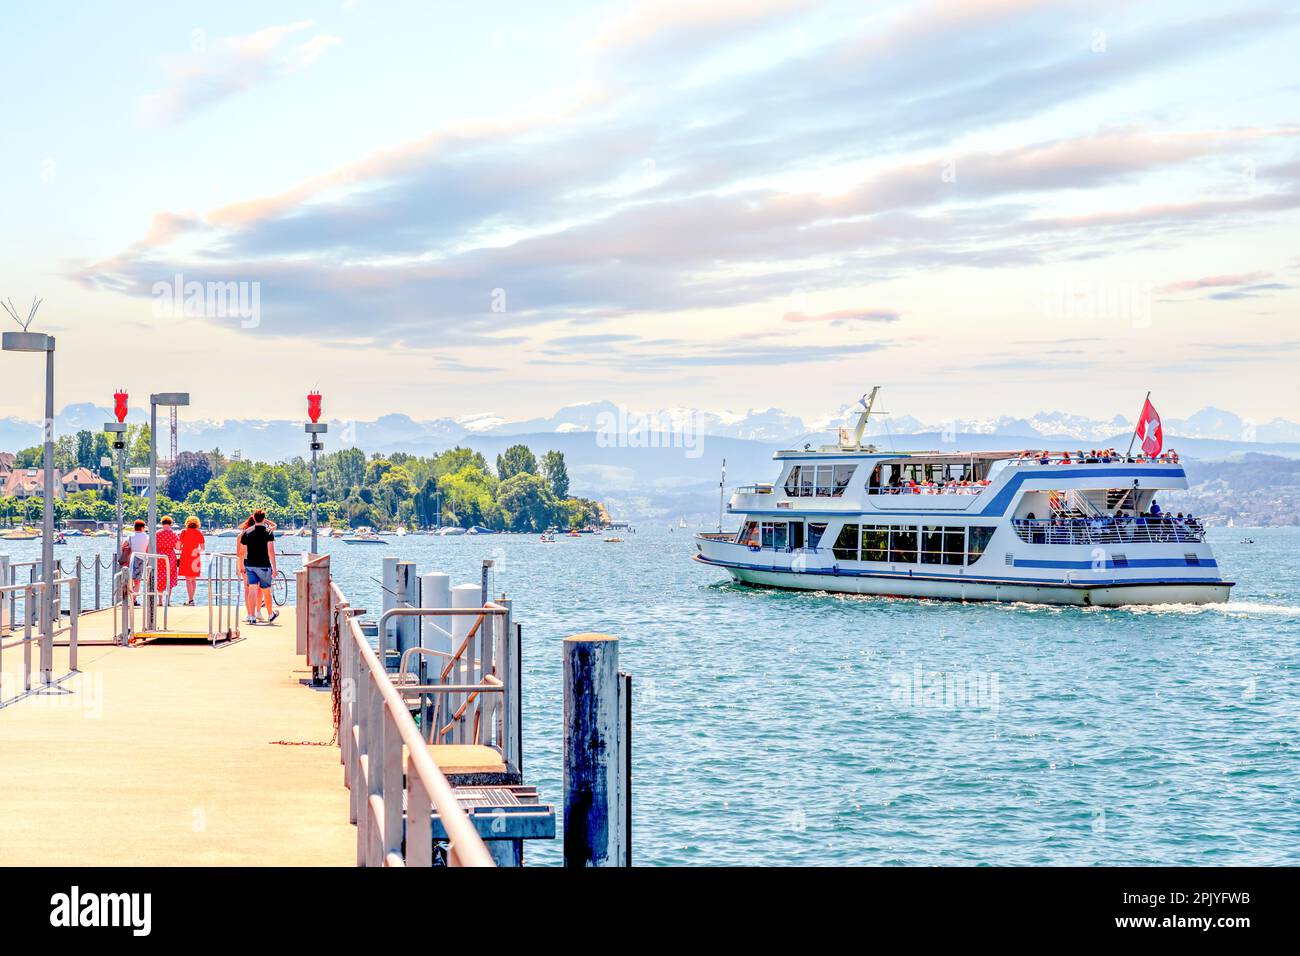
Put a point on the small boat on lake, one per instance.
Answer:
(363, 536)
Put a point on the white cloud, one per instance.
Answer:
(216, 72)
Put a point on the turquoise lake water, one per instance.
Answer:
(778, 728)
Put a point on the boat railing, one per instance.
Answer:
(927, 489)
(1116, 459)
(758, 489)
(378, 737)
(1083, 531)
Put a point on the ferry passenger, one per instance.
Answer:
(191, 557)
(258, 545)
(167, 542)
(135, 548)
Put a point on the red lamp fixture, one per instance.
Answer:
(119, 405)
(313, 406)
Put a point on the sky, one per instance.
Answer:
(990, 207)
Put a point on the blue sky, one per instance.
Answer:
(988, 207)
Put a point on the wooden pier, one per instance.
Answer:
(174, 754)
(206, 741)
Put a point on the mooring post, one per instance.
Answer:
(594, 751)
(406, 629)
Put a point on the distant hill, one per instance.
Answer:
(668, 462)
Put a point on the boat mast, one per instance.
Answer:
(867, 401)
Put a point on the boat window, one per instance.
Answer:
(806, 481)
(954, 545)
(748, 535)
(815, 531)
(843, 475)
(902, 545)
(792, 483)
(875, 542)
(780, 536)
(931, 545)
(825, 478)
(846, 545)
(977, 539)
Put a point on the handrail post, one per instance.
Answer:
(28, 595)
(74, 612)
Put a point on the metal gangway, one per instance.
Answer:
(145, 610)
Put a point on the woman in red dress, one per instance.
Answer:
(191, 560)
(168, 541)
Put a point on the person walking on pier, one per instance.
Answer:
(258, 542)
(191, 559)
(168, 541)
(136, 547)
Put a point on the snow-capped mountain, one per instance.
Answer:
(273, 439)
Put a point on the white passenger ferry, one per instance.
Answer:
(989, 526)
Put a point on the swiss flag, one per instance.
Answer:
(1148, 430)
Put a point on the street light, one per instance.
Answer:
(118, 429)
(314, 428)
(39, 342)
(167, 400)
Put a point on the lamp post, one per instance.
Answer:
(167, 400)
(39, 342)
(118, 430)
(314, 428)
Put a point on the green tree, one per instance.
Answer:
(273, 483)
(33, 457)
(555, 473)
(191, 472)
(86, 457)
(516, 460)
(527, 502)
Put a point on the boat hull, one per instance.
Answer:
(1099, 595)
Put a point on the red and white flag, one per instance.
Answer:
(1149, 431)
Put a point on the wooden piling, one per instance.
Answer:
(594, 821)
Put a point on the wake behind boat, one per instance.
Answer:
(995, 526)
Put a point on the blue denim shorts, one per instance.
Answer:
(261, 577)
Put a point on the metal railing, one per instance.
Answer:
(1093, 531)
(393, 810)
(33, 593)
(481, 671)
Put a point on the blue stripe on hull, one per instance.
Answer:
(1111, 565)
(973, 579)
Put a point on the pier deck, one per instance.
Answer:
(174, 754)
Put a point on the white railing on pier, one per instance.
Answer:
(393, 810)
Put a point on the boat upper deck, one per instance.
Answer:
(173, 753)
